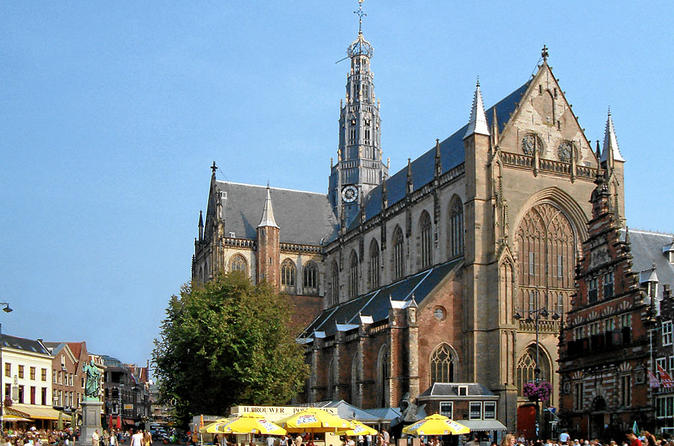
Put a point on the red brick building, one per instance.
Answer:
(604, 350)
(68, 375)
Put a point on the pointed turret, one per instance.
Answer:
(268, 245)
(478, 119)
(494, 127)
(268, 213)
(201, 226)
(610, 152)
(438, 159)
(410, 181)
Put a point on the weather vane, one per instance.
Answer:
(360, 13)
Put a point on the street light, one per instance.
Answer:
(6, 309)
(537, 313)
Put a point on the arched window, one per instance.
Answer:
(238, 263)
(331, 379)
(288, 272)
(442, 365)
(353, 275)
(354, 381)
(526, 367)
(334, 285)
(426, 240)
(398, 258)
(455, 228)
(383, 374)
(373, 266)
(310, 276)
(546, 251)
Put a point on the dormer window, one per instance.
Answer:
(463, 390)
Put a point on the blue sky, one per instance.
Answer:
(111, 113)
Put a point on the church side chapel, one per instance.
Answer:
(437, 273)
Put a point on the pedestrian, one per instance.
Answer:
(508, 440)
(95, 438)
(137, 438)
(632, 438)
(113, 438)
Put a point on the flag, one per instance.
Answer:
(653, 381)
(635, 428)
(665, 379)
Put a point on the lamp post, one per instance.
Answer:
(534, 315)
(6, 309)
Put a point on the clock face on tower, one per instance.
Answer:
(349, 194)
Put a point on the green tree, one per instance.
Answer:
(224, 343)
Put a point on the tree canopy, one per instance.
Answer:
(224, 343)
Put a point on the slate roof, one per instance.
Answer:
(647, 250)
(452, 389)
(24, 344)
(378, 302)
(346, 410)
(303, 217)
(54, 347)
(451, 155)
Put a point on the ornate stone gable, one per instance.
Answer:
(544, 127)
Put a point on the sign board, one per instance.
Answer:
(128, 407)
(274, 413)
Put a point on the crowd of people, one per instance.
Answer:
(644, 438)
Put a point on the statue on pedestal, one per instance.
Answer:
(92, 383)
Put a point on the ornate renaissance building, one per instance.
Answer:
(441, 272)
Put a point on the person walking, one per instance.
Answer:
(95, 438)
(136, 438)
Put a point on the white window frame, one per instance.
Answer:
(667, 333)
(470, 410)
(662, 362)
(484, 411)
(463, 391)
(443, 409)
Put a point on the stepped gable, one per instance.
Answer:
(647, 249)
(452, 154)
(376, 303)
(303, 217)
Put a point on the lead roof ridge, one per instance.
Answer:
(272, 187)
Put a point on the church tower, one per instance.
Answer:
(268, 245)
(359, 167)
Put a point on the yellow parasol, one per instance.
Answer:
(211, 424)
(248, 423)
(358, 428)
(314, 420)
(436, 425)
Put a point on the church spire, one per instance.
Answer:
(478, 119)
(359, 168)
(267, 212)
(201, 226)
(610, 151)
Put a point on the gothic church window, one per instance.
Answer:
(526, 367)
(373, 266)
(546, 248)
(288, 272)
(353, 275)
(455, 228)
(310, 278)
(398, 258)
(334, 285)
(238, 263)
(442, 365)
(426, 240)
